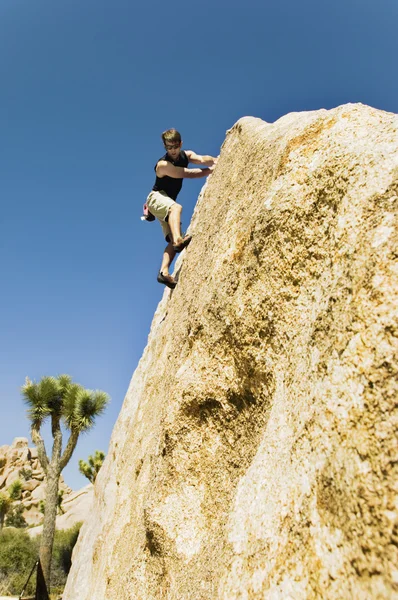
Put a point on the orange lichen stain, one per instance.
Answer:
(238, 251)
(307, 139)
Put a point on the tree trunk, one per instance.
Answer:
(50, 514)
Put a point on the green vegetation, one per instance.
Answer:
(90, 469)
(59, 400)
(26, 474)
(19, 552)
(64, 542)
(10, 512)
(15, 517)
(59, 503)
(5, 506)
(15, 490)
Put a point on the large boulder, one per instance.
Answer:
(30, 485)
(12, 475)
(39, 493)
(255, 456)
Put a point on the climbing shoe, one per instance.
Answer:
(179, 247)
(167, 280)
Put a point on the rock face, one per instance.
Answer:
(18, 461)
(255, 456)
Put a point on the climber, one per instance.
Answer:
(170, 171)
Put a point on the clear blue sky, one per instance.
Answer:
(87, 86)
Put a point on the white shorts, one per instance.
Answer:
(159, 205)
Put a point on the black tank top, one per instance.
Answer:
(167, 184)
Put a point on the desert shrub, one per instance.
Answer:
(5, 507)
(15, 517)
(18, 554)
(15, 490)
(64, 542)
(26, 474)
(60, 510)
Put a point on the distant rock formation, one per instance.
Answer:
(255, 455)
(76, 507)
(18, 461)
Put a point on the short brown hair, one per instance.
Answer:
(171, 135)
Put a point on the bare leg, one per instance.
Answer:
(168, 256)
(175, 223)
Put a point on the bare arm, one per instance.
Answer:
(197, 159)
(165, 168)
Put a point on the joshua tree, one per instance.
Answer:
(61, 401)
(90, 469)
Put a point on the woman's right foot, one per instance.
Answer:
(167, 280)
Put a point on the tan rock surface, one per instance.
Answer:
(255, 456)
(30, 485)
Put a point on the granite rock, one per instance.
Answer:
(255, 456)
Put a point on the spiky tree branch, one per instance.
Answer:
(91, 469)
(70, 447)
(41, 449)
(57, 436)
